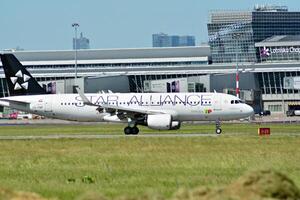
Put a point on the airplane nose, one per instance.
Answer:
(249, 110)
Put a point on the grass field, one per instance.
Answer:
(104, 128)
(67, 168)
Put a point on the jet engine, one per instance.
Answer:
(162, 122)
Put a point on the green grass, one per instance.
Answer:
(104, 128)
(134, 166)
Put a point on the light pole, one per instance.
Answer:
(75, 25)
(236, 36)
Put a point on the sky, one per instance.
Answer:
(47, 24)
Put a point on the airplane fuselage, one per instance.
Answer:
(181, 106)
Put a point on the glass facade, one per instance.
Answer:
(267, 24)
(81, 42)
(272, 82)
(161, 40)
(164, 40)
(232, 35)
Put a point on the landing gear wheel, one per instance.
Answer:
(218, 131)
(218, 127)
(135, 130)
(131, 130)
(127, 130)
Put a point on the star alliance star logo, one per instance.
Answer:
(23, 80)
(265, 52)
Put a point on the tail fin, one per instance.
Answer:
(19, 80)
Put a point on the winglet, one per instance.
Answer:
(85, 100)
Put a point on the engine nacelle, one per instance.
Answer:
(162, 122)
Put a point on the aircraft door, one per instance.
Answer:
(48, 104)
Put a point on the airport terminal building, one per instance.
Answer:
(267, 60)
(130, 66)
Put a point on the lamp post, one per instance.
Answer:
(236, 36)
(75, 25)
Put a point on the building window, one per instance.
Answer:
(191, 87)
(275, 108)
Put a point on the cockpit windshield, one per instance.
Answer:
(236, 101)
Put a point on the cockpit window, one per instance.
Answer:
(236, 101)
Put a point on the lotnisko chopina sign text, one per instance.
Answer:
(283, 50)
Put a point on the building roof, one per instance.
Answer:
(110, 54)
(280, 40)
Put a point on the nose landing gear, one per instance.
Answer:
(218, 127)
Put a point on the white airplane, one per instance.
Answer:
(160, 111)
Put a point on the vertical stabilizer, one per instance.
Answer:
(19, 80)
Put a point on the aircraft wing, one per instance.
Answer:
(132, 110)
(122, 112)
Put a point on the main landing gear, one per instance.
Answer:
(218, 127)
(131, 130)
